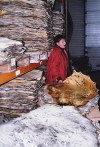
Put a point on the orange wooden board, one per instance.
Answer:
(5, 77)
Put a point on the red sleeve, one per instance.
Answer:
(53, 64)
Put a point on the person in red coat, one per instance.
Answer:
(58, 62)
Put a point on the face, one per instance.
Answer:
(62, 43)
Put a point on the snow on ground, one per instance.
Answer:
(49, 126)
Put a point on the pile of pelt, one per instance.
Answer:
(76, 90)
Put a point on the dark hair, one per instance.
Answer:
(58, 38)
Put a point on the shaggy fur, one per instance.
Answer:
(76, 90)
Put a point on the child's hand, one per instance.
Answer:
(60, 81)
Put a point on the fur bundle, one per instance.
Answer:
(76, 90)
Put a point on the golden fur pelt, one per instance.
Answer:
(76, 90)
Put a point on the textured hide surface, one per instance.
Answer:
(76, 90)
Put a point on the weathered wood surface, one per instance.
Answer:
(21, 94)
(28, 21)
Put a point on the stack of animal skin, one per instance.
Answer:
(76, 90)
(21, 94)
(27, 22)
(11, 51)
(58, 23)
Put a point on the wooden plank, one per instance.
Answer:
(5, 77)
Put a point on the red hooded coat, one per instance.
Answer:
(57, 66)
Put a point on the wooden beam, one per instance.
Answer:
(5, 77)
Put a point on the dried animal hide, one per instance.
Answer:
(21, 94)
(58, 23)
(76, 90)
(27, 20)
